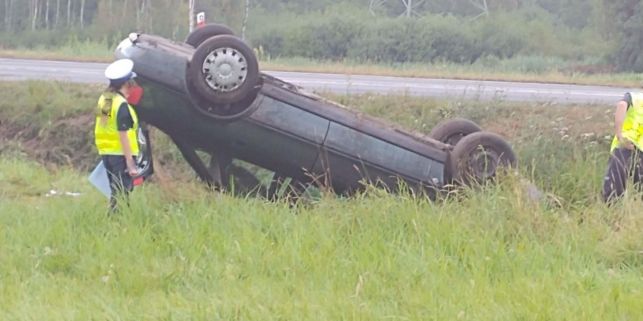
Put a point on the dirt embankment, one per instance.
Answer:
(50, 122)
(67, 142)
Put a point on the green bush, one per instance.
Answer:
(495, 39)
(345, 32)
(32, 39)
(310, 36)
(434, 38)
(445, 39)
(44, 39)
(349, 33)
(334, 38)
(387, 40)
(410, 40)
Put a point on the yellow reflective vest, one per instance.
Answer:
(106, 129)
(633, 123)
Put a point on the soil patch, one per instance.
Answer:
(63, 142)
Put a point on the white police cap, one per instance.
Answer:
(120, 70)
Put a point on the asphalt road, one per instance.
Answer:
(20, 69)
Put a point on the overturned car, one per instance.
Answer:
(208, 95)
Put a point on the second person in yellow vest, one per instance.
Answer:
(626, 160)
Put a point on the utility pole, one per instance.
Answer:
(34, 19)
(68, 13)
(191, 13)
(482, 5)
(375, 6)
(8, 14)
(410, 7)
(82, 14)
(57, 13)
(140, 13)
(245, 20)
(47, 15)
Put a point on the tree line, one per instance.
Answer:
(461, 31)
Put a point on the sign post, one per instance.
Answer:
(191, 14)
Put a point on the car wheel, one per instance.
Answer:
(144, 162)
(223, 70)
(451, 131)
(478, 157)
(200, 35)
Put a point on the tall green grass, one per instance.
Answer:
(182, 252)
(190, 254)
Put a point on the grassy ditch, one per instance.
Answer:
(52, 123)
(181, 252)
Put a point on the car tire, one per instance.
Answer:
(451, 131)
(478, 157)
(144, 162)
(223, 70)
(226, 112)
(200, 35)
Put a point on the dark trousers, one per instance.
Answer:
(623, 164)
(120, 182)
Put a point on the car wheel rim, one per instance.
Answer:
(484, 163)
(225, 69)
(143, 161)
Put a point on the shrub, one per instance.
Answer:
(407, 40)
(434, 38)
(495, 39)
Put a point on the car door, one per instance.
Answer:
(280, 137)
(350, 156)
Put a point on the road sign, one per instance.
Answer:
(200, 19)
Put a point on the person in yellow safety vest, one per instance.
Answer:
(116, 129)
(626, 159)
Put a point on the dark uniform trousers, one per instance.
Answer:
(120, 182)
(623, 165)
